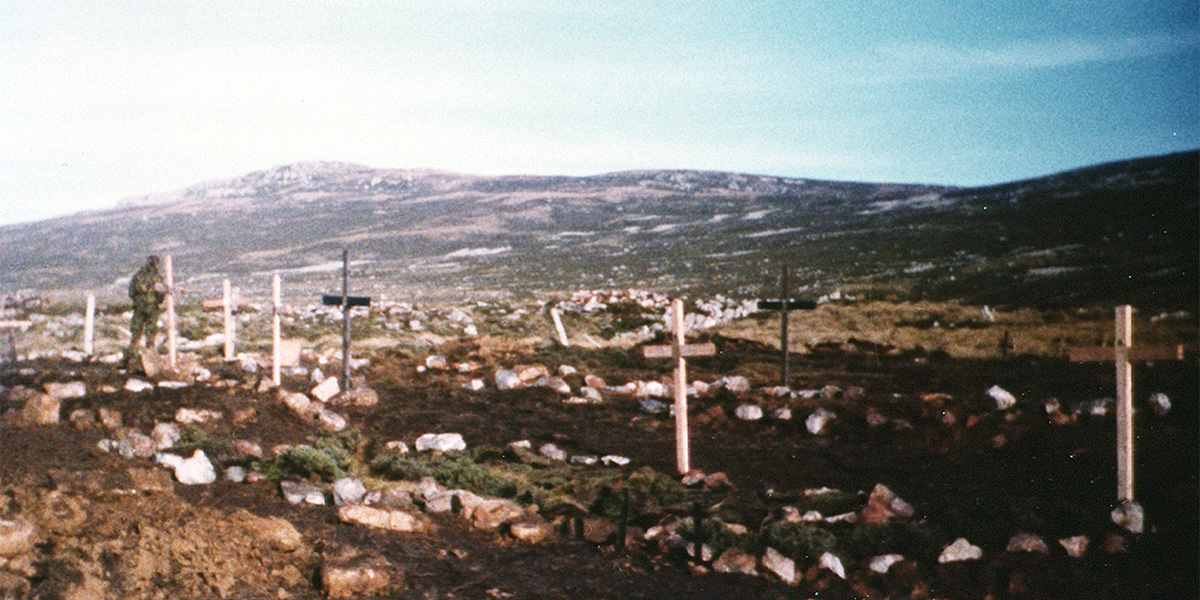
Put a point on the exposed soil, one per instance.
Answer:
(986, 477)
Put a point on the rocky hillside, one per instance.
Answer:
(1122, 231)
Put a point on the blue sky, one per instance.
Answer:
(108, 100)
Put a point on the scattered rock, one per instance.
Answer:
(781, 566)
(16, 538)
(1075, 546)
(82, 418)
(131, 443)
(235, 474)
(584, 459)
(565, 370)
(165, 435)
(594, 381)
(437, 362)
(110, 418)
(555, 383)
(830, 561)
(64, 391)
(552, 452)
(354, 577)
(247, 449)
(476, 385)
(42, 409)
(736, 384)
(1027, 542)
(1130, 516)
(613, 460)
(489, 515)
(874, 419)
(1003, 398)
(782, 414)
(530, 528)
(831, 392)
(883, 563)
(960, 550)
(327, 389)
(883, 505)
(348, 490)
(391, 519)
(815, 423)
(507, 380)
(652, 406)
(274, 532)
(330, 420)
(396, 446)
(1159, 403)
(296, 492)
(137, 386)
(748, 412)
(440, 442)
(736, 560)
(531, 373)
(597, 530)
(191, 416)
(196, 470)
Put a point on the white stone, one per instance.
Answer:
(348, 490)
(748, 412)
(137, 386)
(1004, 400)
(165, 435)
(555, 383)
(960, 550)
(173, 385)
(476, 385)
(441, 442)
(1075, 546)
(327, 389)
(833, 563)
(16, 538)
(613, 460)
(591, 395)
(815, 423)
(1027, 542)
(192, 416)
(196, 470)
(652, 406)
(552, 452)
(396, 446)
(330, 420)
(782, 414)
(235, 474)
(296, 492)
(882, 563)
(507, 380)
(584, 459)
(74, 389)
(564, 370)
(812, 516)
(1159, 403)
(653, 389)
(470, 330)
(783, 567)
(736, 384)
(520, 445)
(1130, 516)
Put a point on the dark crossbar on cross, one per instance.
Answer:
(1124, 354)
(785, 304)
(679, 350)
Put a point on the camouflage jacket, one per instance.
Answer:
(145, 288)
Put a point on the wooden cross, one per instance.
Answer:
(1124, 354)
(783, 305)
(345, 301)
(172, 332)
(678, 351)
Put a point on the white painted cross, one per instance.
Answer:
(275, 309)
(169, 280)
(89, 325)
(678, 351)
(1124, 353)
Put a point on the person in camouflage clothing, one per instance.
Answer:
(147, 291)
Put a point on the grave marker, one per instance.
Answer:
(679, 350)
(169, 279)
(227, 313)
(558, 327)
(784, 305)
(275, 333)
(89, 325)
(1124, 354)
(345, 301)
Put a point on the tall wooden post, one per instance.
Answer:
(276, 376)
(682, 452)
(345, 319)
(1123, 342)
(169, 279)
(227, 309)
(89, 325)
(783, 325)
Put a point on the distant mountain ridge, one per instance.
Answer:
(1123, 231)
